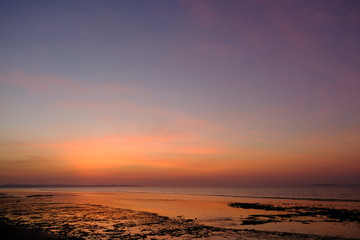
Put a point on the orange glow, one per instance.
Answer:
(201, 92)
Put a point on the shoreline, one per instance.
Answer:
(14, 231)
(135, 224)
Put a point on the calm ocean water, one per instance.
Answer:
(335, 193)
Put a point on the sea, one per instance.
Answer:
(320, 193)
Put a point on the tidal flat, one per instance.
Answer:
(41, 215)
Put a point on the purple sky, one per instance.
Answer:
(180, 92)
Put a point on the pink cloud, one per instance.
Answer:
(33, 84)
(161, 119)
(202, 11)
(301, 33)
(198, 123)
(48, 83)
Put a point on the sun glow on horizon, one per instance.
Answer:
(180, 93)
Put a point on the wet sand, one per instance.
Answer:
(157, 216)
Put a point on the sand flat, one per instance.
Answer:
(214, 211)
(154, 216)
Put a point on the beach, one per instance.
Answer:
(180, 119)
(131, 215)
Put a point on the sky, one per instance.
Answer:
(180, 92)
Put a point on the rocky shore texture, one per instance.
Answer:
(297, 214)
(38, 217)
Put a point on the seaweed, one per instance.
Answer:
(266, 207)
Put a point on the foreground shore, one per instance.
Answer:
(41, 217)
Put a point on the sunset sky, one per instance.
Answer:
(180, 93)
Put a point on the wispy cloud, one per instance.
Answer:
(202, 11)
(43, 83)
